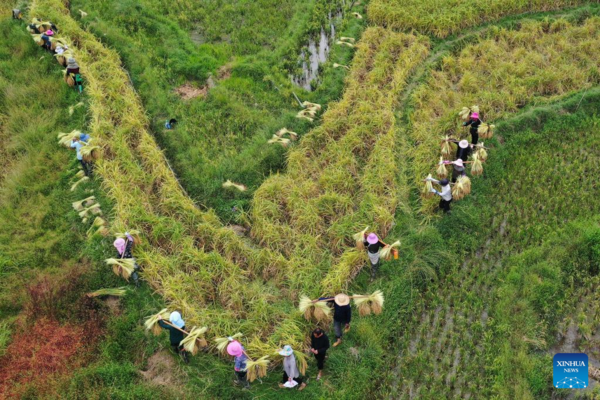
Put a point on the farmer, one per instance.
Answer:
(474, 122)
(72, 67)
(77, 144)
(342, 314)
(124, 251)
(458, 170)
(290, 369)
(445, 194)
(319, 343)
(175, 333)
(46, 38)
(170, 124)
(464, 150)
(373, 245)
(235, 349)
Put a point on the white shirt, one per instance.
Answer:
(446, 193)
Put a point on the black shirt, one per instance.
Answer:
(474, 124)
(342, 314)
(175, 335)
(374, 248)
(463, 154)
(127, 252)
(321, 344)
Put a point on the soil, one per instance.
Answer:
(188, 92)
(162, 369)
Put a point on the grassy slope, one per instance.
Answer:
(223, 136)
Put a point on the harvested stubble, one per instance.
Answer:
(341, 176)
(502, 72)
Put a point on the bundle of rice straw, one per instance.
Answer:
(69, 79)
(336, 65)
(482, 152)
(357, 15)
(79, 182)
(91, 153)
(66, 138)
(238, 186)
(476, 166)
(194, 339)
(369, 303)
(122, 266)
(360, 238)
(441, 171)
(257, 368)
(88, 201)
(99, 225)
(94, 209)
(486, 131)
(83, 13)
(348, 39)
(221, 343)
(317, 309)
(465, 113)
(344, 43)
(310, 105)
(461, 188)
(386, 252)
(151, 322)
(117, 292)
(446, 147)
(285, 142)
(135, 234)
(427, 187)
(284, 131)
(72, 108)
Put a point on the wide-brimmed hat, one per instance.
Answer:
(372, 238)
(84, 137)
(49, 32)
(444, 182)
(458, 162)
(341, 299)
(120, 245)
(176, 320)
(235, 349)
(463, 144)
(475, 115)
(72, 63)
(286, 351)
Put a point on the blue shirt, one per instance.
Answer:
(77, 145)
(240, 362)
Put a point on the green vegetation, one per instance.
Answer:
(241, 70)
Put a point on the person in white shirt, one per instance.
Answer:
(445, 193)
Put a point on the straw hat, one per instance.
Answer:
(372, 238)
(458, 162)
(286, 351)
(235, 349)
(176, 319)
(342, 299)
(463, 144)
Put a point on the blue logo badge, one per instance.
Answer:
(570, 370)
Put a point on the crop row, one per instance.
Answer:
(445, 17)
(502, 73)
(341, 177)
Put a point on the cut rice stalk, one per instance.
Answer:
(369, 303)
(66, 138)
(386, 252)
(238, 186)
(308, 104)
(301, 363)
(122, 266)
(194, 339)
(221, 343)
(359, 238)
(257, 368)
(133, 233)
(446, 147)
(482, 152)
(357, 15)
(317, 309)
(476, 166)
(344, 43)
(441, 171)
(336, 65)
(79, 205)
(427, 188)
(151, 322)
(91, 153)
(79, 182)
(117, 292)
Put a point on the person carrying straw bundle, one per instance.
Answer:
(175, 329)
(72, 67)
(124, 247)
(458, 170)
(464, 150)
(46, 39)
(235, 349)
(474, 122)
(291, 375)
(342, 315)
(77, 143)
(319, 344)
(373, 245)
(445, 193)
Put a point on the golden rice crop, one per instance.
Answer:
(194, 339)
(151, 322)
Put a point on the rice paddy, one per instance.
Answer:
(475, 303)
